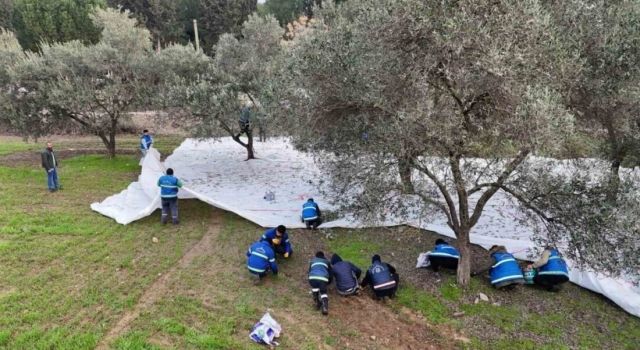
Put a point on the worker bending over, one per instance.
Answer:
(279, 240)
(551, 268)
(505, 270)
(319, 278)
(260, 259)
(443, 255)
(382, 277)
(346, 275)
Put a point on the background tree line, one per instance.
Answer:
(169, 21)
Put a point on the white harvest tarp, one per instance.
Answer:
(215, 172)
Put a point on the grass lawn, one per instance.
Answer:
(125, 142)
(68, 275)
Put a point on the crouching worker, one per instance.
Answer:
(311, 214)
(552, 270)
(443, 255)
(505, 271)
(346, 275)
(260, 259)
(279, 240)
(382, 277)
(319, 278)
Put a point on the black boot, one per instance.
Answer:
(316, 299)
(325, 306)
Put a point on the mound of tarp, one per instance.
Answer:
(270, 191)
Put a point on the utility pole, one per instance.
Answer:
(195, 32)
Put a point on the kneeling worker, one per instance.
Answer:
(552, 269)
(279, 240)
(382, 277)
(319, 278)
(260, 259)
(311, 214)
(443, 255)
(346, 275)
(506, 271)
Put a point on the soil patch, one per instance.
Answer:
(161, 286)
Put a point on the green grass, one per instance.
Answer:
(425, 303)
(68, 274)
(355, 248)
(164, 143)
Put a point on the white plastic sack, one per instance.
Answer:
(423, 260)
(266, 330)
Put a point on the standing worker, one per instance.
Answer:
(260, 259)
(443, 255)
(311, 214)
(552, 270)
(319, 278)
(505, 272)
(279, 240)
(346, 275)
(169, 186)
(146, 141)
(50, 165)
(382, 277)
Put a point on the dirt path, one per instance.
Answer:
(160, 287)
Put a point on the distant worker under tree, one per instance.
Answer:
(244, 122)
(146, 141)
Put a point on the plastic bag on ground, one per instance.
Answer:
(423, 260)
(266, 330)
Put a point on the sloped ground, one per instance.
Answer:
(70, 277)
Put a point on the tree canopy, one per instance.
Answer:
(410, 90)
(91, 86)
(49, 21)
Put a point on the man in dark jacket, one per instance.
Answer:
(50, 165)
(382, 277)
(319, 278)
(346, 275)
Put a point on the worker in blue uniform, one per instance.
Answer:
(279, 240)
(311, 215)
(319, 277)
(260, 259)
(505, 272)
(551, 268)
(443, 255)
(169, 186)
(382, 277)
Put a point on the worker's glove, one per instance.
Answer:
(275, 241)
(286, 255)
(50, 170)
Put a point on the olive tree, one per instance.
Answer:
(443, 82)
(239, 74)
(603, 39)
(91, 86)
